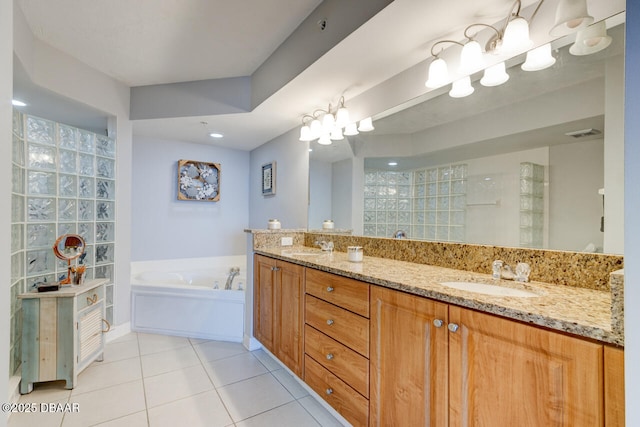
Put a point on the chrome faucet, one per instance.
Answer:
(233, 272)
(501, 270)
(400, 234)
(325, 246)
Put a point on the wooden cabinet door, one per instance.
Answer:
(263, 301)
(409, 356)
(289, 298)
(504, 373)
(613, 386)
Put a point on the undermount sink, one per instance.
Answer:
(303, 253)
(484, 288)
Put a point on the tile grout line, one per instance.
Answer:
(215, 388)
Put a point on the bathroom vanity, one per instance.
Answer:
(63, 332)
(385, 344)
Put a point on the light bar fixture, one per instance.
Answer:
(329, 125)
(512, 39)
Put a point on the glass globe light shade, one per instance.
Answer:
(324, 139)
(495, 75)
(471, 59)
(461, 88)
(539, 58)
(305, 133)
(571, 16)
(516, 37)
(351, 129)
(438, 74)
(366, 125)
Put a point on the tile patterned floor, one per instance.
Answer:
(157, 380)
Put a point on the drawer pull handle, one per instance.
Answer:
(438, 323)
(329, 391)
(329, 289)
(106, 322)
(92, 300)
(329, 322)
(453, 327)
(329, 356)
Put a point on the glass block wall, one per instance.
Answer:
(63, 182)
(531, 205)
(428, 204)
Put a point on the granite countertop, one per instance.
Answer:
(582, 312)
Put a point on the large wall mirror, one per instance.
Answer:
(536, 162)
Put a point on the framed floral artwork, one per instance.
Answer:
(198, 181)
(269, 179)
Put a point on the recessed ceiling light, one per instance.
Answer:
(393, 163)
(310, 149)
(18, 103)
(215, 135)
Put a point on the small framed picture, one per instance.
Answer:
(269, 179)
(198, 181)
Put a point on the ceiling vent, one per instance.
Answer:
(583, 133)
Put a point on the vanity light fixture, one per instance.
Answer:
(591, 40)
(327, 125)
(571, 16)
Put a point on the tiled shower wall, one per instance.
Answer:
(63, 182)
(427, 204)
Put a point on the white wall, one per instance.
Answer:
(576, 173)
(631, 217)
(6, 92)
(66, 76)
(320, 206)
(500, 224)
(614, 146)
(166, 228)
(342, 193)
(290, 203)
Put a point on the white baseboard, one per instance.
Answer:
(118, 331)
(250, 343)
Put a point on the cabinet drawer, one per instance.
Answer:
(90, 297)
(349, 403)
(341, 325)
(343, 362)
(346, 293)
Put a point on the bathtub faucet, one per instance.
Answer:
(233, 272)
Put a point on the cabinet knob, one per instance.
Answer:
(453, 327)
(329, 322)
(438, 323)
(329, 289)
(329, 391)
(329, 356)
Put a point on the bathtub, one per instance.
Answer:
(185, 303)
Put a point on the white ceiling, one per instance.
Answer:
(163, 41)
(145, 42)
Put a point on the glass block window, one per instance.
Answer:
(63, 182)
(427, 204)
(531, 205)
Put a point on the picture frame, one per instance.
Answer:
(269, 179)
(199, 181)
